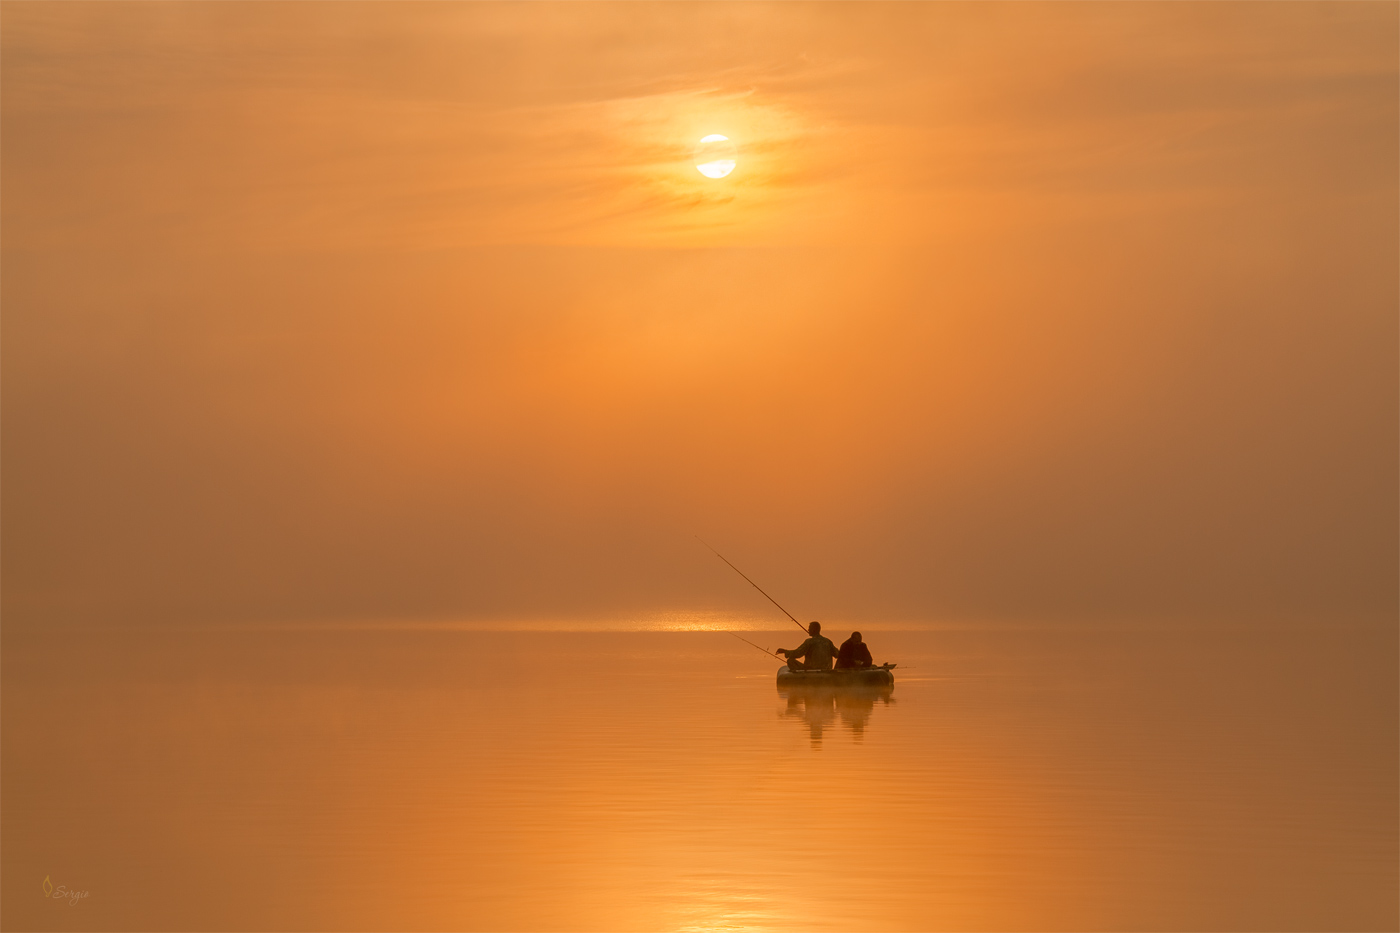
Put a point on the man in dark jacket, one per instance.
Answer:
(854, 653)
(818, 650)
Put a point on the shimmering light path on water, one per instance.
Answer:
(1067, 779)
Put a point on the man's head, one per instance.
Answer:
(814, 629)
(855, 637)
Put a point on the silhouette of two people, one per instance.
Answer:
(818, 652)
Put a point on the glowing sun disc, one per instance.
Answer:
(715, 156)
(717, 169)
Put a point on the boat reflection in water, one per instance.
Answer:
(821, 704)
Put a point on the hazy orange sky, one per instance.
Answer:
(1010, 312)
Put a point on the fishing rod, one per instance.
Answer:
(771, 654)
(752, 584)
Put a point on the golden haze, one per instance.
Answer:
(377, 311)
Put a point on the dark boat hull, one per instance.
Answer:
(861, 677)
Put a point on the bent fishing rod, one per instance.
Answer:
(752, 584)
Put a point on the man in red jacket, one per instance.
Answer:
(854, 653)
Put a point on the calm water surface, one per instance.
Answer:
(372, 780)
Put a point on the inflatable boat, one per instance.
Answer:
(882, 676)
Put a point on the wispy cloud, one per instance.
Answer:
(1007, 308)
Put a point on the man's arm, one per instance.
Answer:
(798, 652)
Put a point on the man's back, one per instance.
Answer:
(818, 652)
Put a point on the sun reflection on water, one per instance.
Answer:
(660, 780)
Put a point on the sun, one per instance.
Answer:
(715, 156)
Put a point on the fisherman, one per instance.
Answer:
(818, 651)
(854, 653)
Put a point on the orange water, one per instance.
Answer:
(1063, 779)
